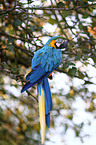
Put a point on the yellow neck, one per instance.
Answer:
(52, 43)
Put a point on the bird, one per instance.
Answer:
(44, 62)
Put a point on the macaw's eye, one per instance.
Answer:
(60, 45)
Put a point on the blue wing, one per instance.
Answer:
(44, 62)
(48, 57)
(35, 77)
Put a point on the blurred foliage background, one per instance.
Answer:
(24, 25)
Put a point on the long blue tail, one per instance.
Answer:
(48, 100)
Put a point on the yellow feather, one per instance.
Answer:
(52, 43)
(42, 115)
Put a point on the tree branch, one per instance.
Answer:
(48, 8)
(86, 82)
(22, 49)
(61, 8)
(16, 38)
(6, 11)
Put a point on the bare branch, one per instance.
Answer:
(61, 8)
(10, 36)
(6, 11)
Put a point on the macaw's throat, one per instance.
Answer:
(52, 43)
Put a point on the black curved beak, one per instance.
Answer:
(63, 46)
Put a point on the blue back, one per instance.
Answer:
(48, 57)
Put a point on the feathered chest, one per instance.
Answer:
(48, 57)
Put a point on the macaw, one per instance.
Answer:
(45, 60)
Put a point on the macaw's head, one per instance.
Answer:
(54, 42)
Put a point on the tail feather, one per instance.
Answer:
(48, 120)
(48, 101)
(48, 97)
(42, 113)
(45, 106)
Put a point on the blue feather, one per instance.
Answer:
(37, 74)
(48, 57)
(48, 97)
(48, 120)
(48, 100)
(26, 86)
(30, 73)
(28, 76)
(35, 78)
(39, 89)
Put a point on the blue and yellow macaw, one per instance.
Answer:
(44, 62)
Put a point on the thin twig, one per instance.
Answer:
(32, 95)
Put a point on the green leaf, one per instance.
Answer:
(65, 65)
(11, 32)
(52, 21)
(66, 127)
(91, 0)
(60, 4)
(1, 80)
(10, 40)
(94, 58)
(80, 74)
(78, 56)
(11, 48)
(84, 16)
(85, 57)
(80, 26)
(77, 132)
(65, 13)
(14, 69)
(32, 28)
(71, 63)
(72, 71)
(17, 22)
